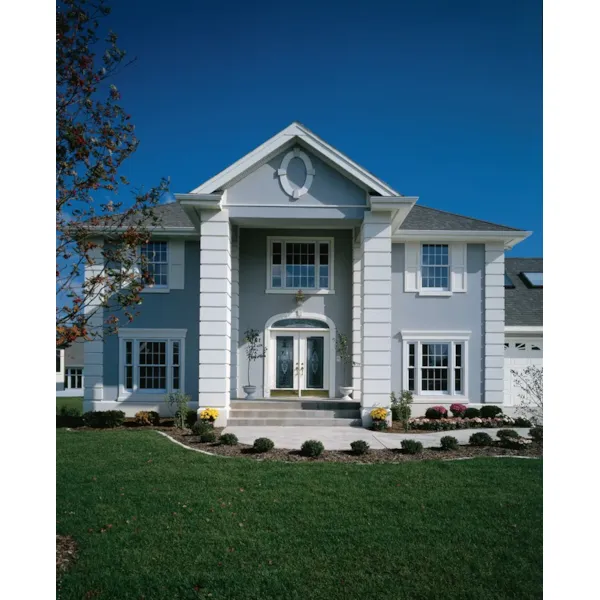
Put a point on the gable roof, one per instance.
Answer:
(523, 305)
(295, 133)
(429, 219)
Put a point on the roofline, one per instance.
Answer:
(523, 329)
(295, 130)
(510, 238)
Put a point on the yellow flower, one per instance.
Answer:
(379, 414)
(209, 414)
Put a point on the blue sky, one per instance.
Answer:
(442, 100)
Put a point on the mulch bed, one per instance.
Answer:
(346, 456)
(66, 552)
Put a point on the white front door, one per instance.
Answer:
(299, 365)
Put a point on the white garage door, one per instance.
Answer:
(519, 353)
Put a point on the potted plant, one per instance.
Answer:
(342, 349)
(254, 351)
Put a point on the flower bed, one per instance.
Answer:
(449, 424)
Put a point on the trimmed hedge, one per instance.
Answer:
(537, 434)
(312, 448)
(263, 445)
(147, 417)
(411, 446)
(472, 413)
(507, 433)
(69, 417)
(208, 437)
(228, 439)
(436, 412)
(359, 447)
(449, 442)
(489, 411)
(104, 419)
(481, 438)
(199, 427)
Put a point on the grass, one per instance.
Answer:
(69, 402)
(155, 521)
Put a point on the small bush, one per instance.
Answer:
(69, 417)
(101, 419)
(411, 446)
(436, 412)
(522, 422)
(507, 433)
(472, 413)
(537, 434)
(458, 410)
(147, 417)
(312, 448)
(191, 418)
(228, 439)
(449, 442)
(208, 437)
(377, 425)
(198, 428)
(517, 443)
(489, 411)
(263, 445)
(481, 438)
(359, 447)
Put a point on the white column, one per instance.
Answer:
(357, 319)
(93, 350)
(376, 312)
(215, 313)
(494, 324)
(235, 307)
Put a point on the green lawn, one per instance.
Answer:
(176, 520)
(69, 402)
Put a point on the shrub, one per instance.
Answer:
(263, 445)
(449, 442)
(228, 439)
(100, 419)
(69, 417)
(401, 410)
(472, 413)
(178, 403)
(537, 434)
(312, 448)
(147, 417)
(191, 418)
(517, 443)
(481, 438)
(199, 427)
(411, 446)
(208, 437)
(436, 412)
(522, 422)
(379, 425)
(359, 447)
(507, 433)
(458, 410)
(489, 411)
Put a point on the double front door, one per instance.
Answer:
(300, 367)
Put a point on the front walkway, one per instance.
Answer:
(339, 438)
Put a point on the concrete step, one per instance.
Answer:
(237, 413)
(263, 404)
(304, 422)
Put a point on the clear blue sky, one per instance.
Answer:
(442, 100)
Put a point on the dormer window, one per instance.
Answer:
(533, 279)
(300, 264)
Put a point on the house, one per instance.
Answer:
(69, 370)
(420, 293)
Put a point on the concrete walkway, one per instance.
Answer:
(339, 438)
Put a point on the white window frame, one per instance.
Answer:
(150, 335)
(436, 337)
(154, 289)
(303, 240)
(69, 375)
(448, 266)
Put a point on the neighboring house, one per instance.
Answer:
(69, 370)
(523, 343)
(419, 292)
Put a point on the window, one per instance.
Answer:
(534, 280)
(300, 263)
(151, 361)
(508, 282)
(58, 369)
(74, 377)
(155, 261)
(435, 267)
(435, 366)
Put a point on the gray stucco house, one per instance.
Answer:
(420, 293)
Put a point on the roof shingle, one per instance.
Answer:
(523, 305)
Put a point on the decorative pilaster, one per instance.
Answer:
(215, 312)
(235, 307)
(357, 319)
(376, 312)
(93, 350)
(494, 324)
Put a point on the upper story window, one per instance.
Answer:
(155, 257)
(300, 263)
(435, 267)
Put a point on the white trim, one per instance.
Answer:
(283, 178)
(510, 238)
(145, 333)
(268, 350)
(292, 133)
(523, 329)
(293, 206)
(414, 335)
(433, 292)
(316, 240)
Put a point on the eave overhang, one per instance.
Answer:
(399, 206)
(509, 238)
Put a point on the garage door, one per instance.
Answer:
(519, 353)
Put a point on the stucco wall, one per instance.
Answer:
(256, 307)
(176, 310)
(461, 311)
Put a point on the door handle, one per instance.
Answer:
(301, 368)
